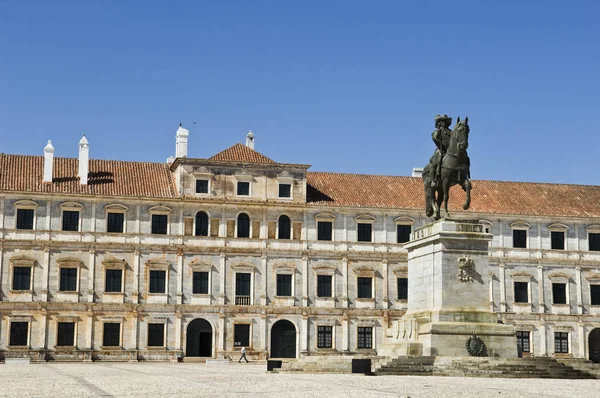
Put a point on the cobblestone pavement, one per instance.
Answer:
(194, 380)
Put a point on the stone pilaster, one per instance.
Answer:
(305, 281)
(223, 265)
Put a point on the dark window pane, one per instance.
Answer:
(324, 230)
(22, 278)
(201, 186)
(284, 285)
(113, 281)
(365, 337)
(18, 333)
(200, 283)
(70, 220)
(115, 222)
(324, 337)
(521, 293)
(68, 279)
(156, 335)
(284, 227)
(112, 335)
(285, 191)
(201, 224)
(157, 281)
(159, 224)
(242, 284)
(403, 233)
(594, 242)
(243, 188)
(559, 293)
(523, 341)
(364, 232)
(595, 294)
(24, 219)
(324, 285)
(66, 334)
(243, 227)
(241, 335)
(365, 287)
(558, 240)
(402, 288)
(520, 238)
(561, 342)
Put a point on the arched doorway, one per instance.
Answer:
(594, 345)
(283, 340)
(199, 339)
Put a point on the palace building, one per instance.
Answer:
(198, 257)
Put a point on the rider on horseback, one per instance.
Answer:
(441, 138)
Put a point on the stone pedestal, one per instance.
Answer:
(448, 292)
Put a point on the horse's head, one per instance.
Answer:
(461, 133)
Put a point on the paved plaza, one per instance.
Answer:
(193, 380)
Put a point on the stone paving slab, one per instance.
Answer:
(198, 380)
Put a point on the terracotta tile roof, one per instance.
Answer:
(106, 177)
(241, 153)
(501, 197)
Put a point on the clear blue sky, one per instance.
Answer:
(345, 86)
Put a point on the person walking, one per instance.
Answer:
(243, 355)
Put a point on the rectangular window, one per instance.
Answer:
(365, 337)
(21, 278)
(24, 219)
(324, 230)
(18, 333)
(200, 283)
(595, 294)
(157, 281)
(68, 279)
(201, 186)
(402, 288)
(523, 341)
(243, 188)
(241, 335)
(114, 222)
(324, 337)
(520, 238)
(285, 190)
(242, 284)
(521, 292)
(594, 241)
(324, 285)
(159, 224)
(364, 232)
(403, 233)
(284, 285)
(114, 281)
(65, 334)
(364, 286)
(561, 342)
(70, 221)
(557, 240)
(156, 335)
(112, 335)
(559, 293)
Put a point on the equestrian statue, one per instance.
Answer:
(449, 165)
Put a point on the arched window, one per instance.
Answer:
(201, 224)
(284, 227)
(243, 226)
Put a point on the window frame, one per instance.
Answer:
(358, 339)
(528, 292)
(10, 332)
(12, 283)
(558, 228)
(115, 209)
(358, 290)
(398, 279)
(237, 224)
(331, 334)
(520, 226)
(74, 342)
(207, 223)
(291, 282)
(235, 327)
(164, 333)
(596, 294)
(593, 230)
(290, 227)
(287, 184)
(521, 334)
(158, 265)
(122, 291)
(157, 281)
(364, 220)
(562, 338)
(404, 222)
(322, 218)
(208, 281)
(208, 184)
(562, 295)
(243, 270)
(25, 205)
(60, 279)
(71, 207)
(120, 342)
(237, 188)
(331, 285)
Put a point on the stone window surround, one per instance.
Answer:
(325, 322)
(565, 329)
(235, 232)
(26, 204)
(522, 226)
(199, 266)
(593, 278)
(561, 277)
(289, 181)
(487, 225)
(70, 262)
(20, 318)
(65, 318)
(592, 229)
(244, 178)
(559, 227)
(285, 269)
(161, 210)
(324, 270)
(522, 276)
(403, 220)
(21, 261)
(291, 226)
(245, 269)
(209, 218)
(157, 264)
(242, 321)
(366, 219)
(326, 217)
(156, 320)
(70, 206)
(401, 272)
(112, 319)
(366, 272)
(204, 176)
(114, 263)
(365, 324)
(115, 208)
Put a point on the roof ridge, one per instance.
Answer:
(241, 153)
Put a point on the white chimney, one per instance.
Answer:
(84, 160)
(181, 141)
(417, 172)
(48, 160)
(250, 140)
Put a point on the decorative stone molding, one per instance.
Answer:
(401, 272)
(558, 276)
(365, 271)
(115, 208)
(324, 269)
(201, 265)
(69, 262)
(114, 263)
(22, 261)
(592, 276)
(521, 276)
(25, 204)
(325, 217)
(558, 227)
(466, 269)
(160, 210)
(404, 220)
(593, 229)
(243, 267)
(73, 206)
(364, 218)
(520, 225)
(158, 263)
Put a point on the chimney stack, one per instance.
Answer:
(48, 161)
(250, 140)
(417, 172)
(84, 160)
(181, 141)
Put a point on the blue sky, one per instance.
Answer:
(345, 86)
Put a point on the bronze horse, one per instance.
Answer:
(455, 170)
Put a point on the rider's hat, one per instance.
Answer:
(443, 118)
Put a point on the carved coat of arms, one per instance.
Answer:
(466, 269)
